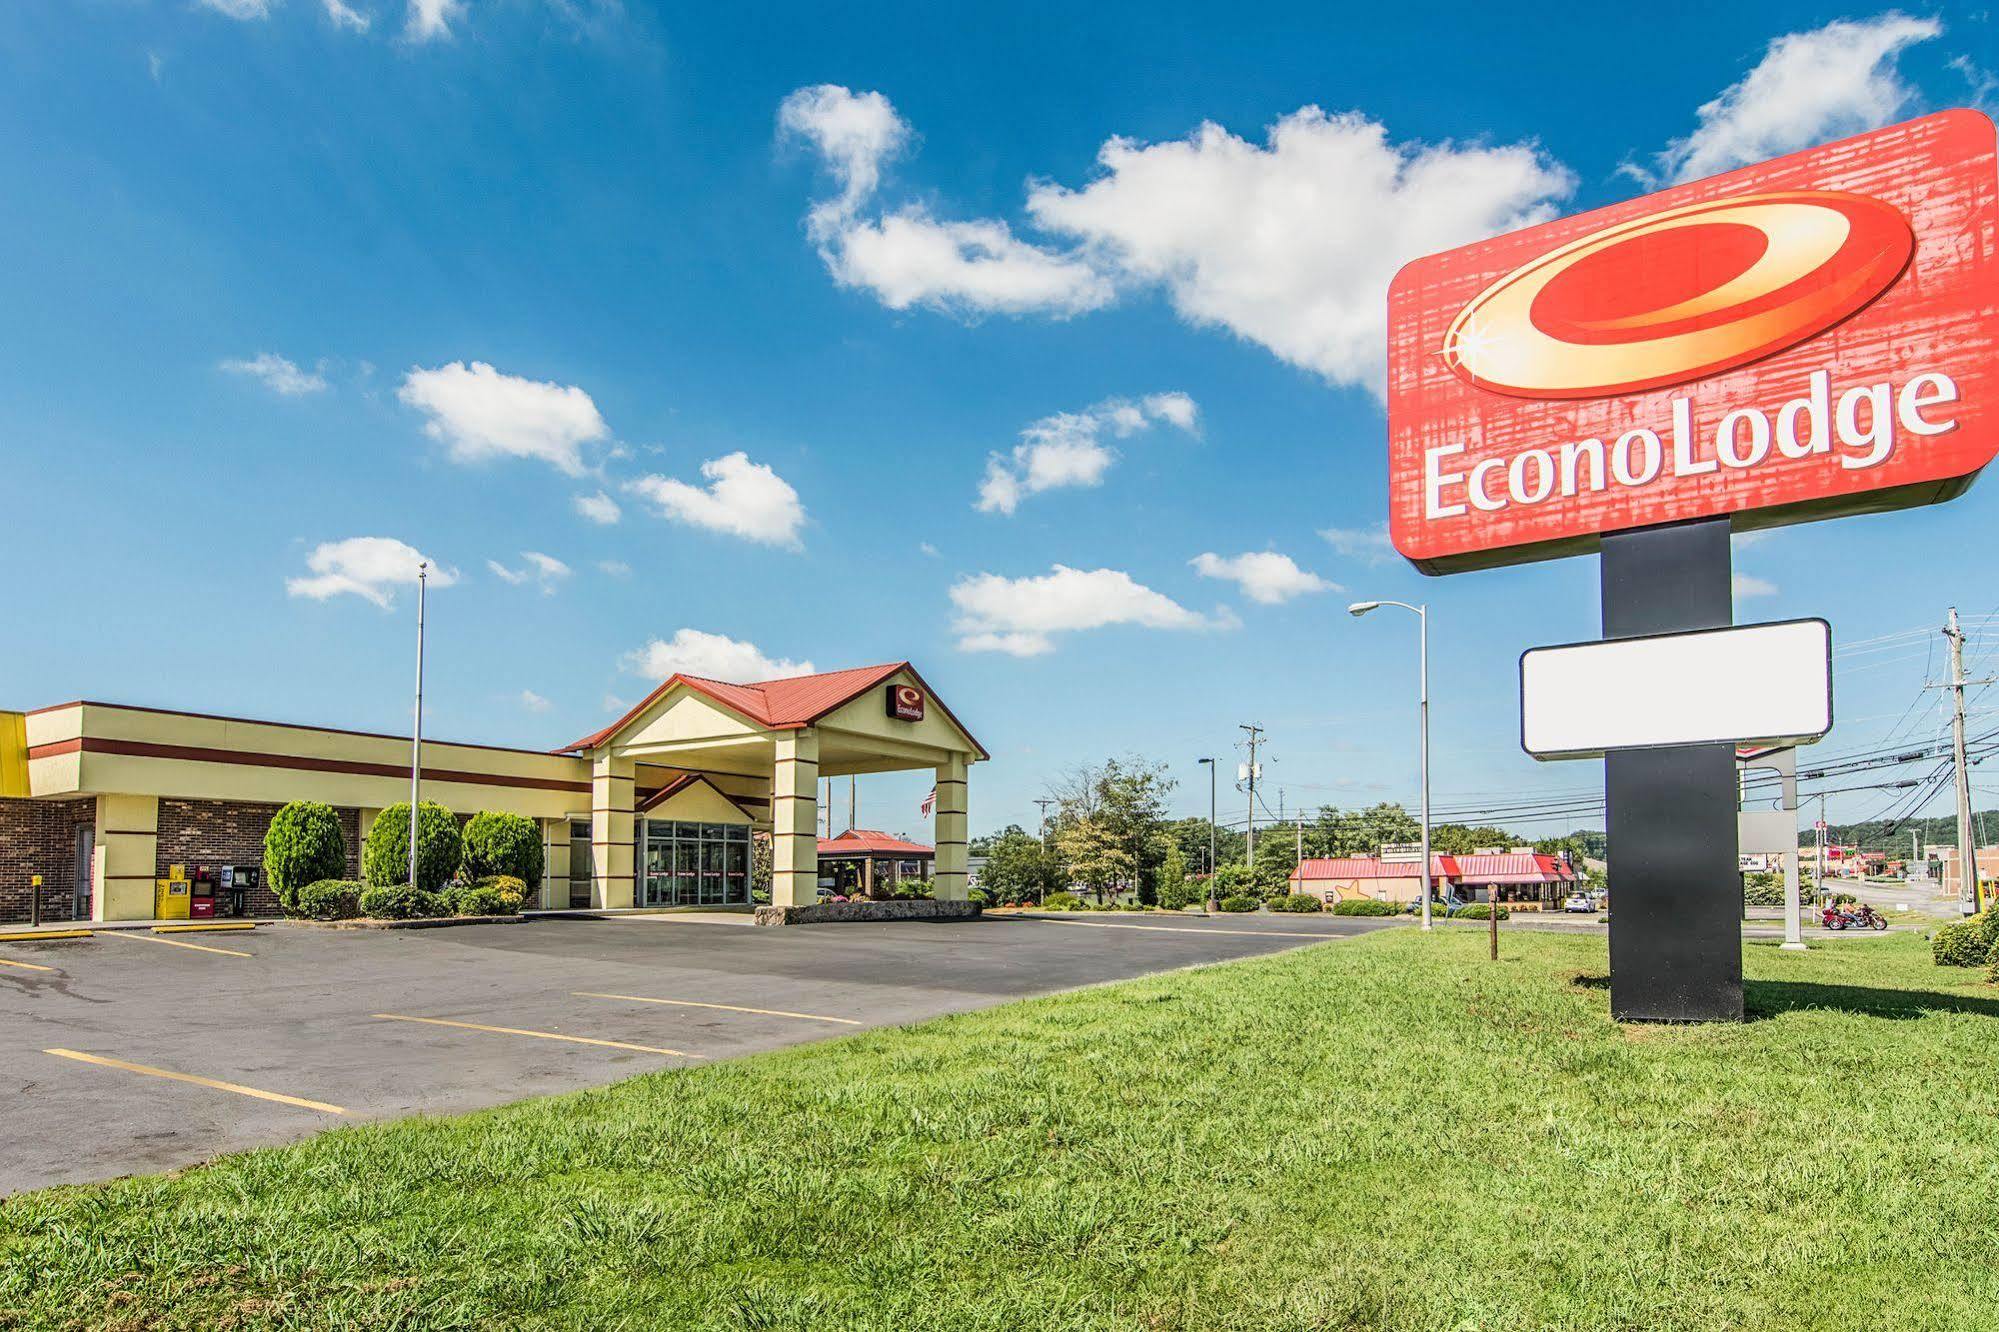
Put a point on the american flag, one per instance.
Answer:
(929, 803)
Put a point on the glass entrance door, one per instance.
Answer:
(695, 864)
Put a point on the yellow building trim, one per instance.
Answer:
(14, 755)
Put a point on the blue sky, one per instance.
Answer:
(796, 296)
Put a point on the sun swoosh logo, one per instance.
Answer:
(1679, 295)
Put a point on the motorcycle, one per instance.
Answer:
(1857, 917)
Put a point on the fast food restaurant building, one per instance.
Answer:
(102, 800)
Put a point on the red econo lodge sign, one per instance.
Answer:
(1810, 337)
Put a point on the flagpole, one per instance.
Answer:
(416, 732)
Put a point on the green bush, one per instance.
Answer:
(1062, 902)
(1179, 894)
(328, 899)
(1302, 902)
(1239, 902)
(1958, 944)
(1987, 922)
(1992, 964)
(399, 901)
(1762, 889)
(1480, 911)
(494, 895)
(502, 844)
(302, 846)
(439, 847)
(1365, 906)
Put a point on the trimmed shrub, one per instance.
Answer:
(1480, 911)
(399, 901)
(495, 895)
(497, 843)
(439, 847)
(328, 899)
(977, 897)
(1958, 944)
(1365, 906)
(302, 846)
(1992, 964)
(1987, 922)
(1061, 902)
(1301, 902)
(1239, 902)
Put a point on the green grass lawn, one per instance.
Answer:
(1380, 1132)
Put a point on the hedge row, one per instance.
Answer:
(482, 870)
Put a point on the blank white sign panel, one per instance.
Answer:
(1765, 682)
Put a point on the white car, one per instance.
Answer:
(1578, 902)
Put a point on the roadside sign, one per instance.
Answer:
(1808, 337)
(1768, 682)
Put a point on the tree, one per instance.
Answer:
(1096, 855)
(1457, 839)
(1191, 836)
(303, 845)
(1017, 868)
(1170, 886)
(502, 843)
(1126, 801)
(1363, 832)
(439, 847)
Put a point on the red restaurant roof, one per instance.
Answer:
(1516, 867)
(868, 842)
(1367, 867)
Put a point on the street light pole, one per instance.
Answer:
(1211, 832)
(1422, 614)
(416, 732)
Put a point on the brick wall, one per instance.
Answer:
(228, 832)
(39, 837)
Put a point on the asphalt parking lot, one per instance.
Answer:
(131, 1052)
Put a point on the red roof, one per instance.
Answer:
(868, 842)
(1367, 867)
(785, 705)
(1516, 867)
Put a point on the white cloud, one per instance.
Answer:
(1749, 585)
(711, 656)
(373, 568)
(533, 702)
(1068, 448)
(1264, 576)
(432, 18)
(926, 548)
(1810, 86)
(345, 17)
(544, 570)
(615, 568)
(906, 257)
(1020, 615)
(238, 9)
(1370, 545)
(599, 508)
(1291, 244)
(276, 374)
(743, 498)
(480, 413)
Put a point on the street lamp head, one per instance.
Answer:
(1205, 760)
(1360, 608)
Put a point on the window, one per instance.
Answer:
(695, 864)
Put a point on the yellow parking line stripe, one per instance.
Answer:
(25, 966)
(37, 936)
(538, 1035)
(205, 927)
(727, 1008)
(198, 1081)
(1184, 929)
(174, 943)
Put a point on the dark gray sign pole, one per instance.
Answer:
(1675, 888)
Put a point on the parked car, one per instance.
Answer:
(1578, 902)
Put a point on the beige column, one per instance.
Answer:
(125, 861)
(554, 891)
(611, 800)
(950, 877)
(794, 812)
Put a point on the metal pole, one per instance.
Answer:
(416, 731)
(1969, 898)
(1423, 730)
(1249, 848)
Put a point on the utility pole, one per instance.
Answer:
(853, 801)
(1967, 849)
(1255, 734)
(416, 730)
(1043, 805)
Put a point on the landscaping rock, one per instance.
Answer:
(826, 913)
